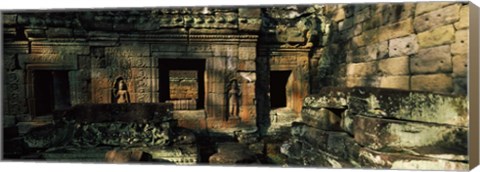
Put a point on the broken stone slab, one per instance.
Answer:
(436, 18)
(411, 105)
(415, 137)
(246, 137)
(178, 154)
(232, 153)
(374, 159)
(393, 103)
(301, 153)
(184, 136)
(257, 148)
(346, 122)
(322, 118)
(339, 144)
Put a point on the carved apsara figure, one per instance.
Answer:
(233, 99)
(120, 92)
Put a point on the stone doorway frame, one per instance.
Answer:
(30, 87)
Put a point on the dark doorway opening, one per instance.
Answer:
(278, 88)
(185, 71)
(51, 91)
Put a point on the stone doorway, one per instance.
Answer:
(279, 88)
(182, 82)
(51, 91)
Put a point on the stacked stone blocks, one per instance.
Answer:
(381, 128)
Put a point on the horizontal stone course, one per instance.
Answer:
(438, 36)
(438, 83)
(439, 17)
(392, 103)
(394, 66)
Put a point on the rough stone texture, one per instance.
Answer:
(461, 44)
(339, 14)
(396, 135)
(403, 46)
(346, 122)
(439, 17)
(232, 153)
(440, 83)
(335, 147)
(438, 36)
(426, 7)
(464, 18)
(327, 99)
(460, 65)
(394, 66)
(432, 60)
(377, 159)
(362, 69)
(395, 82)
(411, 106)
(321, 118)
(179, 154)
(460, 86)
(395, 30)
(345, 24)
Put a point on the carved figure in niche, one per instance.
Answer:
(233, 99)
(120, 92)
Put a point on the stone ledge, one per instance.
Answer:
(421, 138)
(393, 103)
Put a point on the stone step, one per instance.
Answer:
(398, 135)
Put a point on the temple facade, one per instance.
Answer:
(230, 69)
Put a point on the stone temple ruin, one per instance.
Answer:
(337, 85)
